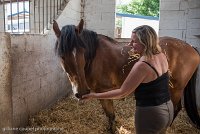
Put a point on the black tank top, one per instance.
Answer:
(154, 92)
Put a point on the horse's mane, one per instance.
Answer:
(90, 41)
(69, 40)
(87, 39)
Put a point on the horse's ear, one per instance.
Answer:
(79, 28)
(56, 29)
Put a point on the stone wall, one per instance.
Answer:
(37, 80)
(100, 16)
(181, 19)
(37, 77)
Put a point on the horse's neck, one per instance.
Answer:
(114, 51)
(108, 67)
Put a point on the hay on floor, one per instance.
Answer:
(70, 117)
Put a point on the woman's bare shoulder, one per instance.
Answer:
(141, 66)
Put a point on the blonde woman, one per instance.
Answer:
(148, 79)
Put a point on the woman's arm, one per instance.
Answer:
(135, 77)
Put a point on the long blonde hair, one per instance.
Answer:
(148, 37)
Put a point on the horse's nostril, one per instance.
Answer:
(78, 95)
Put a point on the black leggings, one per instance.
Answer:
(153, 119)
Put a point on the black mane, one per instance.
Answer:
(69, 40)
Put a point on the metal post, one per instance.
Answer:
(24, 15)
(34, 17)
(39, 13)
(50, 11)
(43, 17)
(57, 7)
(47, 7)
(54, 9)
(11, 24)
(29, 15)
(18, 14)
(4, 16)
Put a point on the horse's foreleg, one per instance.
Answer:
(109, 110)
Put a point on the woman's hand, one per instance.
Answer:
(88, 96)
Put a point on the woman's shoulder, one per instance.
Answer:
(141, 65)
(140, 69)
(161, 54)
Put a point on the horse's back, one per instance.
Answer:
(183, 61)
(179, 51)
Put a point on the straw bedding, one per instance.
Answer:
(68, 116)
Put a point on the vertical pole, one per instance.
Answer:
(60, 4)
(11, 25)
(24, 10)
(54, 9)
(57, 7)
(47, 7)
(39, 14)
(29, 4)
(34, 16)
(18, 14)
(43, 16)
(4, 16)
(50, 11)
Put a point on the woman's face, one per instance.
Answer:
(137, 46)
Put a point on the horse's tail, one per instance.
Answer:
(190, 100)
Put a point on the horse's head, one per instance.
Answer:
(71, 51)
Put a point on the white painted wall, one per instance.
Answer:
(71, 14)
(181, 19)
(37, 77)
(100, 16)
(128, 24)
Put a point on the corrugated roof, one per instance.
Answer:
(137, 16)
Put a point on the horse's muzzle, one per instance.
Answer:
(79, 95)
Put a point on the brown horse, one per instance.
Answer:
(97, 62)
